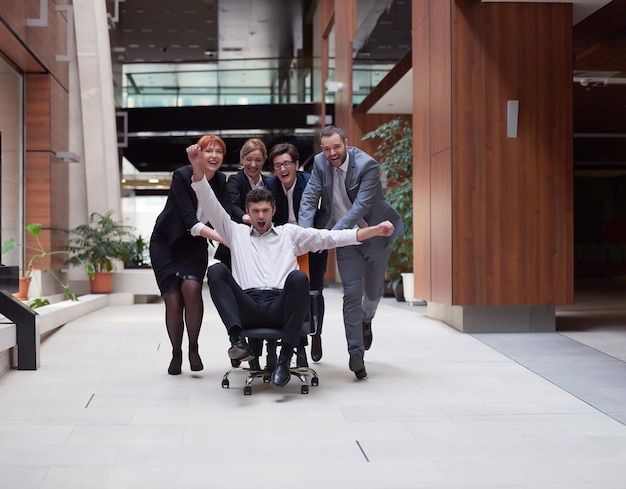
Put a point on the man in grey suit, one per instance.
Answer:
(347, 180)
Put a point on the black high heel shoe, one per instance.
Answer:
(195, 362)
(176, 364)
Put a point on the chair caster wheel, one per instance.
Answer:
(225, 384)
(315, 381)
(247, 391)
(267, 378)
(304, 389)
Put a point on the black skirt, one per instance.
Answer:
(185, 258)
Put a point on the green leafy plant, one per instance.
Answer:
(395, 155)
(39, 261)
(139, 255)
(97, 244)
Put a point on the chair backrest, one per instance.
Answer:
(303, 264)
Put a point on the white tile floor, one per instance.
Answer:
(440, 409)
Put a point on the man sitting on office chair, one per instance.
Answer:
(265, 286)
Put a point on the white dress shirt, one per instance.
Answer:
(199, 226)
(265, 260)
(259, 184)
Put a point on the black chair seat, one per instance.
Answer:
(309, 327)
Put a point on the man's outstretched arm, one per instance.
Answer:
(385, 228)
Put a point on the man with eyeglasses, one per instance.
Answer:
(347, 180)
(265, 285)
(287, 185)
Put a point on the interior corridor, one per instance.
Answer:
(440, 409)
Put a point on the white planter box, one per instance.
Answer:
(407, 287)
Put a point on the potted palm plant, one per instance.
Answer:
(139, 255)
(38, 261)
(97, 245)
(395, 155)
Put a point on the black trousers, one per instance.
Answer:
(284, 309)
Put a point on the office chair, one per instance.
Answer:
(309, 327)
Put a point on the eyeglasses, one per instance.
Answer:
(286, 164)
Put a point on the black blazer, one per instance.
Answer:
(238, 187)
(282, 206)
(180, 212)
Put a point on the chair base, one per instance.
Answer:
(302, 373)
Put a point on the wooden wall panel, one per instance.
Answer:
(59, 169)
(33, 49)
(345, 28)
(60, 114)
(38, 112)
(440, 70)
(14, 52)
(369, 122)
(440, 157)
(14, 12)
(37, 205)
(59, 208)
(441, 227)
(512, 198)
(46, 176)
(421, 150)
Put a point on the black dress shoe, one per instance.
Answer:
(235, 363)
(254, 364)
(357, 365)
(367, 334)
(316, 348)
(281, 374)
(240, 350)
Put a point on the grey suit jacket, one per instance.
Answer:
(364, 190)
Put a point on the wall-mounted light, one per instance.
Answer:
(69, 11)
(512, 117)
(42, 21)
(115, 18)
(68, 156)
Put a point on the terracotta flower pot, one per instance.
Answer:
(23, 285)
(101, 283)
